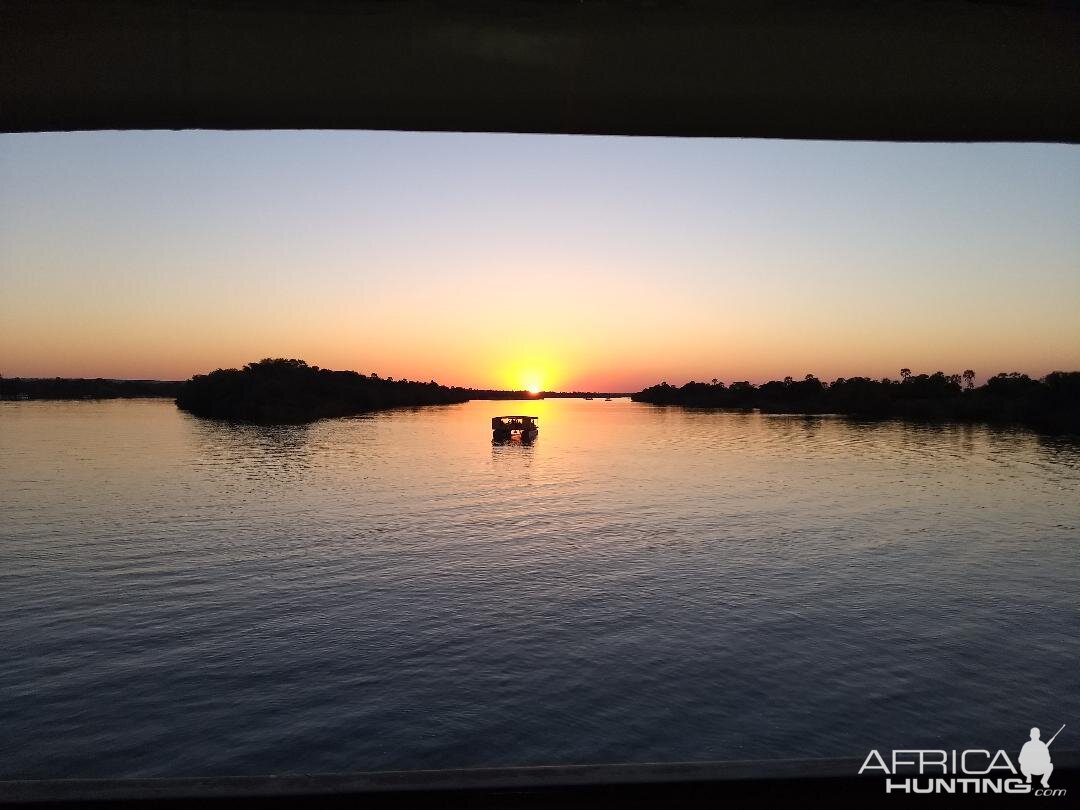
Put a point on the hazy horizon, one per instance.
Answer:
(534, 261)
(534, 390)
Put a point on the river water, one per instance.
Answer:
(185, 597)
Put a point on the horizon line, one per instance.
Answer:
(527, 393)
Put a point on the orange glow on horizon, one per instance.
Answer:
(534, 263)
(531, 371)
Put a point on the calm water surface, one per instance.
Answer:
(181, 597)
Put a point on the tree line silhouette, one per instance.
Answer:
(271, 390)
(289, 390)
(82, 388)
(1051, 403)
(280, 390)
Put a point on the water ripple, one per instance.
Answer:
(182, 597)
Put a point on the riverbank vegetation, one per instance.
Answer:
(1051, 403)
(79, 388)
(271, 390)
(286, 391)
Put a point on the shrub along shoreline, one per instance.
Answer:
(1051, 404)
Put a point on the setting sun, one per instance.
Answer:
(532, 383)
(533, 376)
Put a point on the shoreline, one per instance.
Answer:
(289, 391)
(1050, 404)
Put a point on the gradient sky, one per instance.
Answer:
(535, 260)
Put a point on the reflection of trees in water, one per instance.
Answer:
(836, 435)
(961, 441)
(921, 439)
(281, 453)
(1061, 451)
(788, 430)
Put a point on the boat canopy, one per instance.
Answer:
(513, 422)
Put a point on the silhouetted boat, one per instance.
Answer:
(506, 427)
(588, 397)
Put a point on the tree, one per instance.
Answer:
(905, 373)
(969, 379)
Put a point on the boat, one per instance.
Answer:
(507, 427)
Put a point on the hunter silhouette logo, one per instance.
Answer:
(1035, 757)
(973, 770)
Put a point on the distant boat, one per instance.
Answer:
(607, 399)
(588, 397)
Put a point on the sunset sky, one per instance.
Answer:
(516, 261)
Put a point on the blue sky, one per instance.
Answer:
(584, 261)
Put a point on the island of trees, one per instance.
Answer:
(271, 390)
(1051, 403)
(279, 390)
